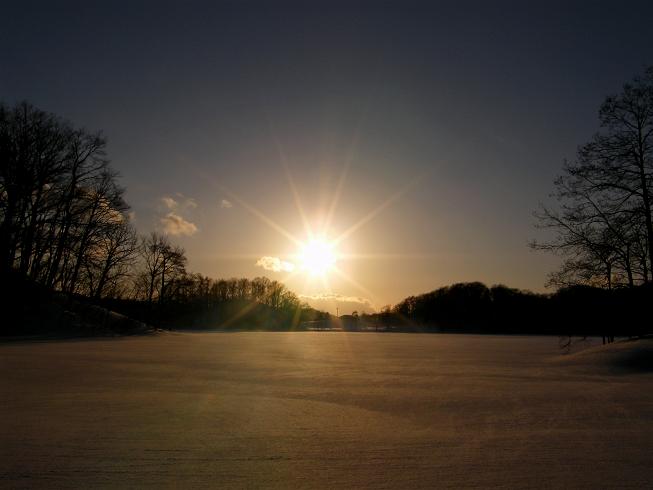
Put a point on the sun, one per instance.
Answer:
(317, 257)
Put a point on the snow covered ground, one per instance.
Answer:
(324, 410)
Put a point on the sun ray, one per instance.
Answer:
(291, 181)
(290, 274)
(296, 318)
(374, 213)
(336, 195)
(240, 313)
(325, 284)
(242, 256)
(385, 256)
(353, 147)
(297, 199)
(371, 296)
(260, 215)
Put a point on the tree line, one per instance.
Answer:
(578, 310)
(65, 226)
(192, 300)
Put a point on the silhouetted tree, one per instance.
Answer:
(114, 256)
(162, 264)
(58, 199)
(603, 226)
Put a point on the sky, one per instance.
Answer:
(418, 136)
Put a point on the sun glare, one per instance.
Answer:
(317, 257)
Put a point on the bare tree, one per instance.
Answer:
(603, 226)
(116, 252)
(173, 263)
(162, 262)
(583, 235)
(58, 200)
(34, 149)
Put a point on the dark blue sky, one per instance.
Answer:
(477, 101)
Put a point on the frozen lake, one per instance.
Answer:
(319, 409)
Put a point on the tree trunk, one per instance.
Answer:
(82, 247)
(28, 240)
(6, 231)
(646, 197)
(103, 278)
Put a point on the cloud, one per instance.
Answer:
(173, 224)
(181, 202)
(169, 202)
(113, 215)
(226, 204)
(275, 264)
(334, 302)
(335, 297)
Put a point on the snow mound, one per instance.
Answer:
(622, 357)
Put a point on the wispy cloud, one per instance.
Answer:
(178, 202)
(226, 204)
(169, 202)
(275, 264)
(173, 224)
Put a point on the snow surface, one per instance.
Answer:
(323, 410)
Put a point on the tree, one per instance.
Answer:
(618, 162)
(162, 263)
(101, 209)
(115, 254)
(603, 226)
(582, 235)
(59, 199)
